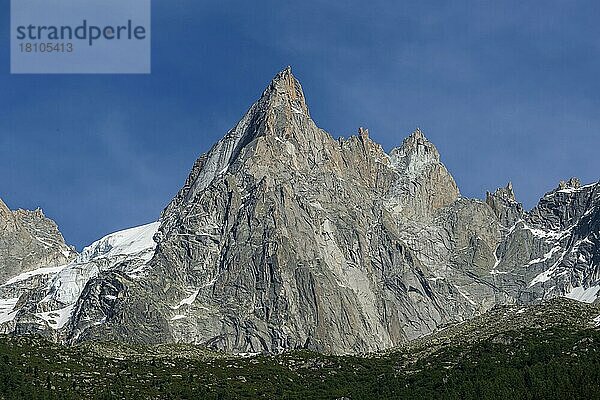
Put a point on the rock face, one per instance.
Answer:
(44, 300)
(553, 250)
(29, 240)
(283, 237)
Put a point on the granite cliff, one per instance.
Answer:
(283, 237)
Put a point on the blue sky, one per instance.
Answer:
(506, 90)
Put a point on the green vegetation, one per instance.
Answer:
(549, 364)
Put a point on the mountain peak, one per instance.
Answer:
(417, 148)
(416, 139)
(281, 113)
(506, 193)
(504, 204)
(3, 206)
(285, 88)
(573, 183)
(417, 134)
(6, 215)
(426, 184)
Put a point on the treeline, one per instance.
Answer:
(555, 364)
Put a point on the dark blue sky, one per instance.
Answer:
(506, 90)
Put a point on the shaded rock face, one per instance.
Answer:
(503, 203)
(554, 250)
(283, 237)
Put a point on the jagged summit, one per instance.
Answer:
(424, 183)
(283, 238)
(504, 204)
(565, 189)
(505, 193)
(416, 148)
(28, 239)
(279, 115)
(5, 213)
(285, 88)
(363, 133)
(573, 183)
(417, 134)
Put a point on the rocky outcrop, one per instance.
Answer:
(555, 248)
(283, 237)
(503, 203)
(46, 300)
(29, 240)
(423, 185)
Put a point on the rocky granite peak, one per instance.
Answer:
(416, 151)
(284, 238)
(572, 183)
(424, 185)
(504, 205)
(28, 240)
(272, 129)
(286, 89)
(7, 219)
(363, 133)
(4, 210)
(417, 134)
(506, 193)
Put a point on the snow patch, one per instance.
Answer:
(497, 272)
(58, 318)
(588, 295)
(6, 309)
(188, 300)
(435, 279)
(317, 205)
(138, 240)
(40, 271)
(545, 257)
(546, 275)
(466, 295)
(247, 354)
(547, 235)
(297, 111)
(542, 277)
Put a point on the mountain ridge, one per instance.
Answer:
(283, 237)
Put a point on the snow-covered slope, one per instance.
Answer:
(46, 297)
(554, 249)
(133, 241)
